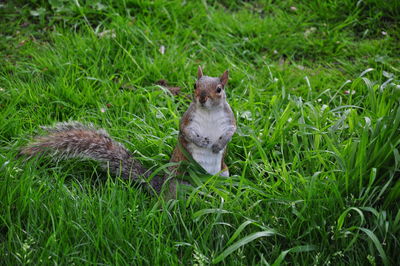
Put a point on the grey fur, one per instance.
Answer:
(75, 140)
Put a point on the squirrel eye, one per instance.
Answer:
(219, 89)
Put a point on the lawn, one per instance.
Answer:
(315, 88)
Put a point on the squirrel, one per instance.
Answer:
(205, 130)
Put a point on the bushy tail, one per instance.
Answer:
(75, 140)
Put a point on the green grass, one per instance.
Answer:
(315, 168)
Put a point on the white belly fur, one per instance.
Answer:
(211, 124)
(211, 162)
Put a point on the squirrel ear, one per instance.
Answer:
(199, 72)
(224, 77)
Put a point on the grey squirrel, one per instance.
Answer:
(205, 129)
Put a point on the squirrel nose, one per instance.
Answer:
(203, 97)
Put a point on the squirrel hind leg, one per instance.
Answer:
(225, 173)
(224, 169)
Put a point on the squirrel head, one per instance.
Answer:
(210, 91)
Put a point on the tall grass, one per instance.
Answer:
(314, 163)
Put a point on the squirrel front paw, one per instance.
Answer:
(216, 147)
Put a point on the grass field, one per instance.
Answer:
(314, 86)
